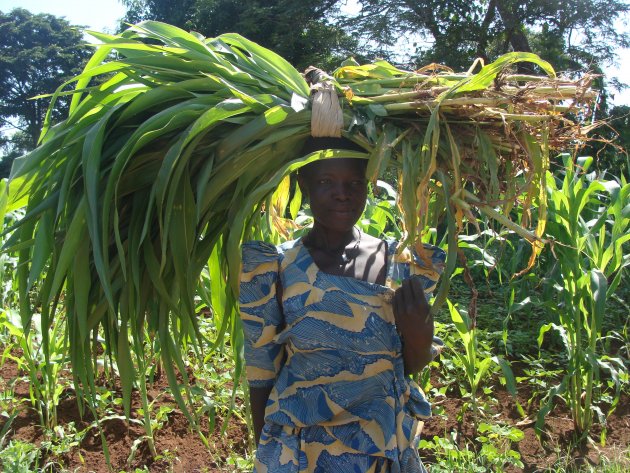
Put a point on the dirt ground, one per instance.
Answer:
(181, 450)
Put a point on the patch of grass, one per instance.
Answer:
(618, 462)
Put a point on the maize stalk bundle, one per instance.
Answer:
(174, 145)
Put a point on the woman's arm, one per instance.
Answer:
(262, 318)
(414, 323)
(258, 398)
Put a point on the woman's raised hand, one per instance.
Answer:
(414, 323)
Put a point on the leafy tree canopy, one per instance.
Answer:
(572, 34)
(301, 32)
(37, 54)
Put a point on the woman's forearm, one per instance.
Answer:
(417, 340)
(416, 351)
(258, 398)
(414, 323)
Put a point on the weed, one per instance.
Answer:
(495, 453)
(19, 457)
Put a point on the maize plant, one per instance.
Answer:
(589, 228)
(173, 149)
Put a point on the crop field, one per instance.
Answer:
(533, 377)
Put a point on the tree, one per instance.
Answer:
(301, 32)
(573, 34)
(37, 54)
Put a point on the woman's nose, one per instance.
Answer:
(343, 190)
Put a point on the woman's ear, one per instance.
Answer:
(301, 180)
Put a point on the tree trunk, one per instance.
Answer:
(514, 30)
(482, 44)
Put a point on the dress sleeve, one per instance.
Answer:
(261, 313)
(425, 262)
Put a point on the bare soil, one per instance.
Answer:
(181, 450)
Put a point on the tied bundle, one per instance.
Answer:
(175, 147)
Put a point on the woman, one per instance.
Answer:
(329, 343)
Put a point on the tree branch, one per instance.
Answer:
(321, 11)
(513, 27)
(425, 16)
(12, 125)
(485, 26)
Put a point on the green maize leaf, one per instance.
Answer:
(4, 196)
(488, 155)
(41, 249)
(166, 353)
(599, 287)
(481, 369)
(149, 100)
(125, 365)
(217, 294)
(34, 210)
(172, 35)
(204, 123)
(76, 234)
(81, 279)
(97, 58)
(296, 203)
(238, 345)
(484, 78)
(270, 63)
(182, 239)
(84, 78)
(381, 156)
(510, 381)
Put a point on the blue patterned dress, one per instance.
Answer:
(340, 400)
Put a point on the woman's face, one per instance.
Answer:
(337, 191)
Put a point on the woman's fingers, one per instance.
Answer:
(405, 297)
(420, 299)
(418, 290)
(410, 301)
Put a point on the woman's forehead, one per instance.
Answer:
(335, 166)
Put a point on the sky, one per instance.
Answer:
(103, 15)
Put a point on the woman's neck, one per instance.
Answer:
(326, 239)
(356, 254)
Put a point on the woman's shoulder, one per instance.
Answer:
(424, 260)
(421, 254)
(256, 253)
